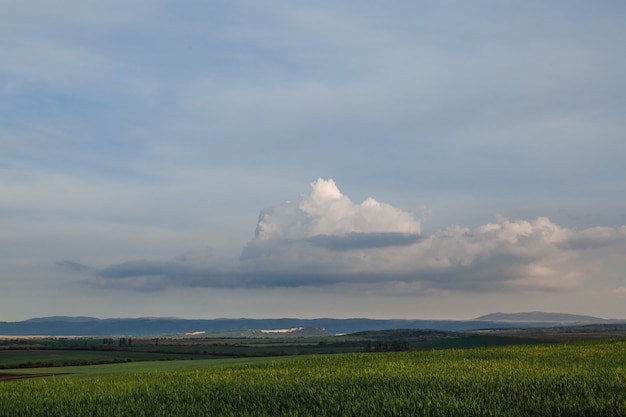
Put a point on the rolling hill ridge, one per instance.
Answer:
(89, 326)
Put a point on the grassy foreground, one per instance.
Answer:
(576, 379)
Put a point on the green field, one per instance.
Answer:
(55, 358)
(51, 352)
(54, 352)
(139, 367)
(569, 379)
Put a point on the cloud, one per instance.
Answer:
(74, 266)
(326, 239)
(597, 238)
(326, 211)
(351, 241)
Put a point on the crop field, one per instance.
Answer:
(53, 352)
(54, 358)
(573, 379)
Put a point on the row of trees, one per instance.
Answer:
(122, 341)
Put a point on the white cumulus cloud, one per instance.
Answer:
(326, 211)
(328, 236)
(327, 239)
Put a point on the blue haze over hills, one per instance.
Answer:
(88, 326)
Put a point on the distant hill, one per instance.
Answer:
(78, 319)
(71, 326)
(153, 326)
(538, 316)
(266, 333)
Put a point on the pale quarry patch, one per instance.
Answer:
(291, 330)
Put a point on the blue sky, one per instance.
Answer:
(290, 159)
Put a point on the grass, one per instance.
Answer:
(572, 379)
(50, 358)
(142, 367)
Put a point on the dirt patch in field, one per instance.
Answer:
(10, 377)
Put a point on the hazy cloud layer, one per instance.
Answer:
(327, 239)
(134, 132)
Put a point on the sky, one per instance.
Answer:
(414, 159)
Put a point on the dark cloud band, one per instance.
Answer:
(355, 241)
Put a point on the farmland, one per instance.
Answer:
(37, 352)
(574, 378)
